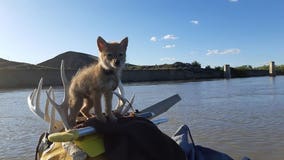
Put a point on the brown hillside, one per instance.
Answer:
(72, 60)
(6, 64)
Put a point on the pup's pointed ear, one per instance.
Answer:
(124, 43)
(102, 44)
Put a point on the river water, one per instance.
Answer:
(241, 117)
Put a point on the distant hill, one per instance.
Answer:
(6, 64)
(72, 60)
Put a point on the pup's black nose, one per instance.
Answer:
(117, 62)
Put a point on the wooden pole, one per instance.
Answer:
(272, 71)
(227, 71)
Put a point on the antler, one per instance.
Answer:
(62, 108)
(121, 98)
(54, 125)
(120, 107)
(129, 105)
(52, 116)
(36, 108)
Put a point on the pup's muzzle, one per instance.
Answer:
(116, 63)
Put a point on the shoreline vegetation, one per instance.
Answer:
(23, 75)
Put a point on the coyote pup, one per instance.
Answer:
(88, 85)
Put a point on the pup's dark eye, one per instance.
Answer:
(120, 54)
(109, 55)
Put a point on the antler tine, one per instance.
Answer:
(46, 116)
(54, 125)
(35, 108)
(30, 100)
(64, 81)
(62, 109)
(39, 88)
(52, 115)
(121, 98)
(129, 105)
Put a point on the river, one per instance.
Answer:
(241, 117)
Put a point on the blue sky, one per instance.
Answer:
(212, 32)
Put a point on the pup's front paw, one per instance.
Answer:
(112, 117)
(101, 118)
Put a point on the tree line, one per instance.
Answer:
(197, 66)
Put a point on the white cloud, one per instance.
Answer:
(169, 46)
(153, 39)
(168, 59)
(191, 53)
(233, 0)
(194, 22)
(222, 52)
(170, 37)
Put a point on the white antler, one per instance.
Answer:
(52, 116)
(129, 105)
(35, 108)
(120, 107)
(121, 98)
(54, 125)
(62, 109)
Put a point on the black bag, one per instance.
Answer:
(135, 138)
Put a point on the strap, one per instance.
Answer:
(43, 143)
(108, 71)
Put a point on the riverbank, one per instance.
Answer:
(28, 78)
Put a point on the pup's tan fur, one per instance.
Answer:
(91, 83)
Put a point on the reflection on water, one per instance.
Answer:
(241, 117)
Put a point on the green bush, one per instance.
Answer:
(218, 68)
(208, 67)
(264, 67)
(244, 67)
(196, 64)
